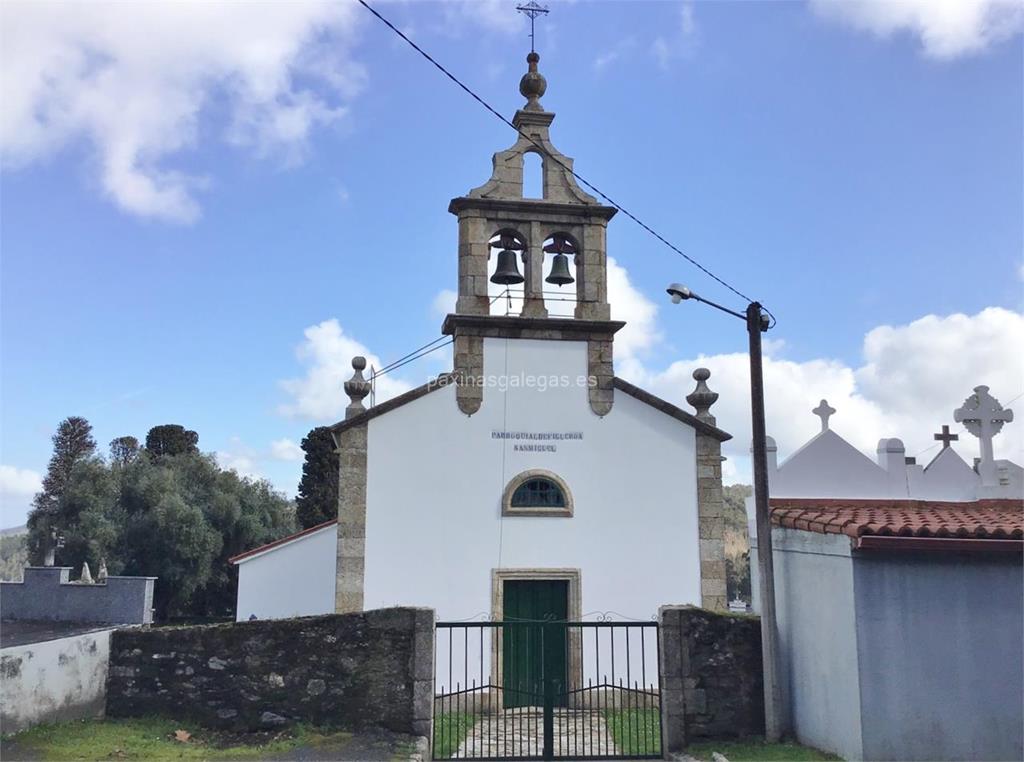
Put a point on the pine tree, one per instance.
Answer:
(171, 439)
(317, 501)
(72, 443)
(124, 450)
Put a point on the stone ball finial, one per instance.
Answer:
(533, 85)
(702, 398)
(356, 388)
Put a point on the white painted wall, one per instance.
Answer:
(817, 637)
(435, 480)
(54, 681)
(292, 579)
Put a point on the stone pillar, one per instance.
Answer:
(670, 676)
(591, 273)
(602, 374)
(711, 676)
(469, 372)
(423, 672)
(351, 448)
(474, 250)
(348, 592)
(533, 272)
(710, 501)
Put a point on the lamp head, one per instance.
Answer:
(678, 292)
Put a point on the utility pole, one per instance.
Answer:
(773, 720)
(757, 323)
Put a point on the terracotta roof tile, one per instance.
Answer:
(996, 519)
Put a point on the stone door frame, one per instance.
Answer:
(574, 611)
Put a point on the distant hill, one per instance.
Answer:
(737, 543)
(13, 553)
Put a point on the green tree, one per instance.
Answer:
(175, 516)
(183, 518)
(171, 439)
(317, 500)
(124, 450)
(89, 517)
(72, 443)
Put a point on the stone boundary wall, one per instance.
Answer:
(711, 676)
(47, 594)
(352, 671)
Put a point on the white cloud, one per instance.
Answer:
(681, 42)
(911, 379)
(490, 15)
(241, 463)
(17, 488)
(444, 302)
(286, 449)
(641, 332)
(328, 353)
(241, 458)
(131, 81)
(614, 54)
(946, 28)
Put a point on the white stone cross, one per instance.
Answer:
(824, 412)
(983, 416)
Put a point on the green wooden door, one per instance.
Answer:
(536, 648)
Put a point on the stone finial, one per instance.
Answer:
(356, 388)
(86, 578)
(533, 85)
(701, 397)
(824, 411)
(101, 575)
(983, 416)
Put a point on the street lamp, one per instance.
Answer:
(757, 323)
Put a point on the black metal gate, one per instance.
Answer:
(518, 690)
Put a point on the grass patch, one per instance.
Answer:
(152, 739)
(636, 731)
(450, 730)
(758, 751)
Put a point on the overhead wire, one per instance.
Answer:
(540, 147)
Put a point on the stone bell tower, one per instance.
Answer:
(496, 216)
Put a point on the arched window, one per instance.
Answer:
(537, 493)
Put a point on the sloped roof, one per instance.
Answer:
(986, 520)
(446, 379)
(670, 410)
(281, 541)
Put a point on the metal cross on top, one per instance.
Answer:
(532, 9)
(945, 437)
(824, 411)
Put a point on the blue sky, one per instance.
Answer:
(186, 205)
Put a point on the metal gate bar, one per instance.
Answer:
(523, 690)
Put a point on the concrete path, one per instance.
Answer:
(520, 732)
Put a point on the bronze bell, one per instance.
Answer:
(559, 275)
(507, 272)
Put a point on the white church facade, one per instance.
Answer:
(529, 467)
